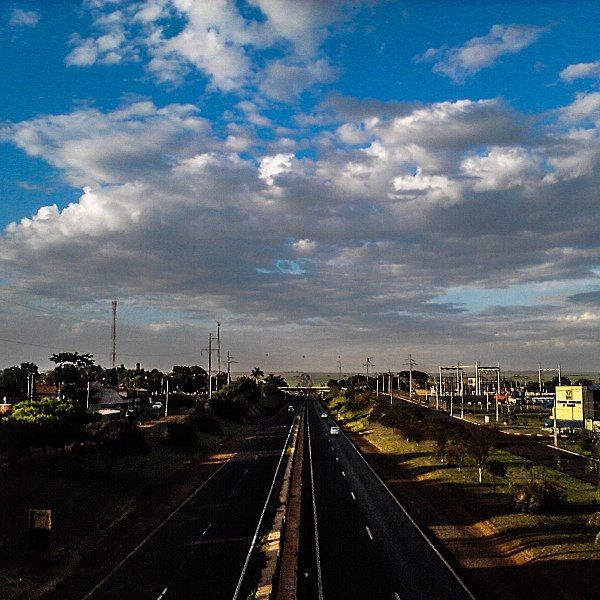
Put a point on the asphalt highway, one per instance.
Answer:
(200, 551)
(365, 545)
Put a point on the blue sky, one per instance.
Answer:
(340, 178)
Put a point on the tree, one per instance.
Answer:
(190, 380)
(115, 440)
(257, 373)
(13, 380)
(52, 422)
(439, 433)
(497, 470)
(73, 371)
(236, 400)
(270, 387)
(457, 448)
(480, 442)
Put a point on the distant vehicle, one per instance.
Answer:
(334, 430)
(157, 405)
(290, 408)
(323, 415)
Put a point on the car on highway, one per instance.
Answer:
(334, 430)
(157, 405)
(323, 415)
(290, 408)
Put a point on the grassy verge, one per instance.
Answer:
(83, 502)
(556, 537)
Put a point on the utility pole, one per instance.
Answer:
(230, 361)
(167, 399)
(411, 363)
(339, 367)
(113, 355)
(210, 350)
(218, 348)
(210, 365)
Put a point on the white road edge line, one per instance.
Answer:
(413, 522)
(314, 503)
(162, 594)
(369, 531)
(396, 596)
(262, 515)
(353, 496)
(343, 473)
(206, 530)
(168, 518)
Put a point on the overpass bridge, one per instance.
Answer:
(313, 390)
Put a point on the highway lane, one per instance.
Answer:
(200, 551)
(368, 547)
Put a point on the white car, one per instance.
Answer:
(323, 415)
(290, 408)
(157, 405)
(334, 430)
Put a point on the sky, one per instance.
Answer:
(324, 178)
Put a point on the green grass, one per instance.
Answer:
(82, 501)
(559, 536)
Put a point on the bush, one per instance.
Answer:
(358, 402)
(180, 434)
(538, 496)
(203, 422)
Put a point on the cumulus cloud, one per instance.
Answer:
(460, 62)
(271, 166)
(589, 70)
(362, 236)
(503, 168)
(24, 18)
(176, 37)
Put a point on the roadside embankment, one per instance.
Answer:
(503, 553)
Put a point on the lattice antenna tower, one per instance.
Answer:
(113, 354)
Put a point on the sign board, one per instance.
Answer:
(39, 531)
(572, 404)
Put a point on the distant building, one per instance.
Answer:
(45, 391)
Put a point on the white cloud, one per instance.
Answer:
(305, 246)
(216, 39)
(425, 188)
(95, 147)
(590, 70)
(460, 62)
(24, 18)
(271, 166)
(460, 194)
(503, 168)
(585, 106)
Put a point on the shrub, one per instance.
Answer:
(203, 422)
(180, 434)
(538, 496)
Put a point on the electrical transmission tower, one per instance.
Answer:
(411, 363)
(368, 365)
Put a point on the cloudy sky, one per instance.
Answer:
(325, 178)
